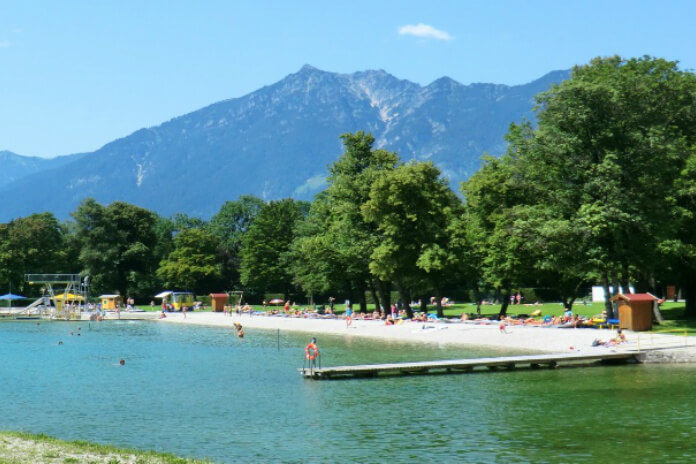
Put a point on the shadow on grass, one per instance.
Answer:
(675, 320)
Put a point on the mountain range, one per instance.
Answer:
(274, 142)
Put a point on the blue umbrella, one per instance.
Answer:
(12, 297)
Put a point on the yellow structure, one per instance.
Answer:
(70, 297)
(63, 302)
(176, 299)
(110, 301)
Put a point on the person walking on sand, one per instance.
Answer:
(349, 315)
(183, 311)
(503, 325)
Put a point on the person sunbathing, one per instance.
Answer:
(620, 338)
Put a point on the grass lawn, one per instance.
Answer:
(18, 447)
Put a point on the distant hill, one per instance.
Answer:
(14, 167)
(277, 142)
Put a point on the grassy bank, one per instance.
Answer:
(18, 447)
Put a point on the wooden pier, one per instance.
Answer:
(469, 365)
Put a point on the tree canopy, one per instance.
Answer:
(601, 189)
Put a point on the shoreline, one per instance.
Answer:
(16, 447)
(523, 338)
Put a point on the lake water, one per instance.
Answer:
(197, 391)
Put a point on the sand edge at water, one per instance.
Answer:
(528, 339)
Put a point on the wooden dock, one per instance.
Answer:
(469, 365)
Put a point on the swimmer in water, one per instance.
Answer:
(60, 342)
(122, 362)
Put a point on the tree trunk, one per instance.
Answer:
(373, 292)
(607, 296)
(405, 298)
(353, 297)
(565, 300)
(363, 299)
(384, 294)
(689, 293)
(424, 304)
(625, 284)
(438, 303)
(568, 302)
(504, 305)
(479, 298)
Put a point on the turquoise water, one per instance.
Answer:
(198, 391)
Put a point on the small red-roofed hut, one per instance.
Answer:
(218, 301)
(635, 310)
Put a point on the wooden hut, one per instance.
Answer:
(218, 301)
(110, 301)
(635, 310)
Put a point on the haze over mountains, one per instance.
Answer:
(275, 142)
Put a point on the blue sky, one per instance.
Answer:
(76, 75)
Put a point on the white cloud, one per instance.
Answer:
(4, 43)
(424, 30)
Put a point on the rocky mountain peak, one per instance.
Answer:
(276, 142)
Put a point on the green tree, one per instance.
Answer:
(32, 244)
(266, 244)
(317, 266)
(351, 236)
(679, 248)
(118, 244)
(414, 211)
(492, 195)
(229, 226)
(192, 264)
(602, 162)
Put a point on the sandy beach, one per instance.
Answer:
(525, 339)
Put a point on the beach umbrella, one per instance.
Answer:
(276, 301)
(11, 297)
